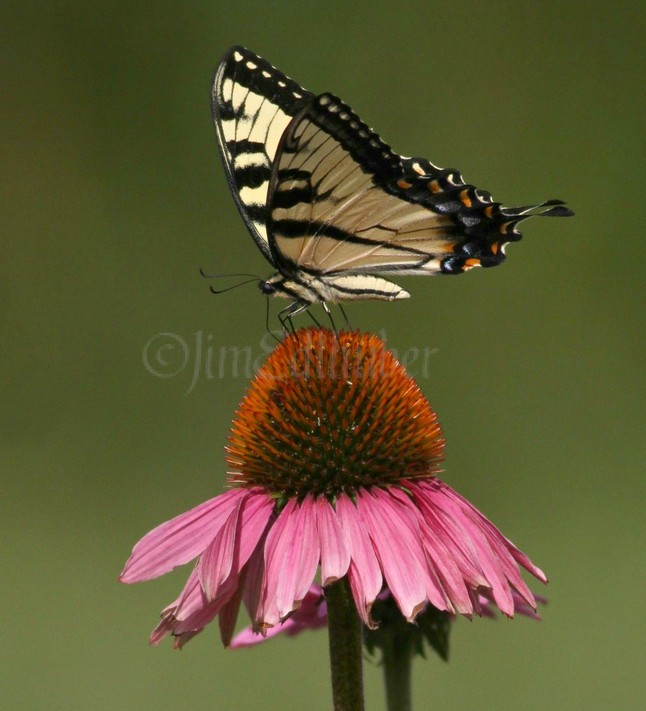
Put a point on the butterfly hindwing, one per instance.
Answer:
(342, 201)
(252, 103)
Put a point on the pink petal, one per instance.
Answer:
(194, 619)
(292, 553)
(450, 578)
(215, 564)
(489, 562)
(248, 637)
(229, 551)
(311, 615)
(335, 554)
(446, 589)
(364, 572)
(446, 528)
(179, 540)
(190, 599)
(507, 554)
(254, 582)
(493, 532)
(396, 538)
(229, 614)
(255, 513)
(306, 552)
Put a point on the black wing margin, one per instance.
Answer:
(252, 104)
(484, 226)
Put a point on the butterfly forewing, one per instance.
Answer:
(252, 105)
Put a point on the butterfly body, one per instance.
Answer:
(331, 206)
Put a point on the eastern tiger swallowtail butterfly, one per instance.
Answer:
(331, 206)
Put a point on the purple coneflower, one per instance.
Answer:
(333, 459)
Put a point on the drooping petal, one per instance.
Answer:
(448, 573)
(306, 553)
(518, 555)
(274, 552)
(489, 562)
(506, 550)
(255, 513)
(252, 595)
(444, 527)
(292, 553)
(189, 600)
(280, 574)
(364, 573)
(446, 586)
(311, 615)
(217, 561)
(493, 552)
(179, 540)
(229, 614)
(396, 540)
(335, 554)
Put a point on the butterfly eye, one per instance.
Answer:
(267, 288)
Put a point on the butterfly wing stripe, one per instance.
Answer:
(252, 104)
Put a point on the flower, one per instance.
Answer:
(334, 455)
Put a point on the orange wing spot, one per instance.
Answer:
(434, 186)
(489, 211)
(465, 199)
(495, 247)
(404, 184)
(470, 263)
(503, 228)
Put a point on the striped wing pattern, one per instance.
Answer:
(342, 202)
(252, 104)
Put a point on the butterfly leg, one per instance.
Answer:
(269, 331)
(316, 321)
(345, 316)
(326, 308)
(286, 314)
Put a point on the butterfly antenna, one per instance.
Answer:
(204, 275)
(230, 288)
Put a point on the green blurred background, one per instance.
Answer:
(113, 196)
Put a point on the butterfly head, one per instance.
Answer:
(271, 286)
(301, 287)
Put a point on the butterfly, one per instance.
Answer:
(332, 207)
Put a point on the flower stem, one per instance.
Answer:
(397, 672)
(345, 648)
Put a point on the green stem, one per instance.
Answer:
(345, 648)
(397, 672)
